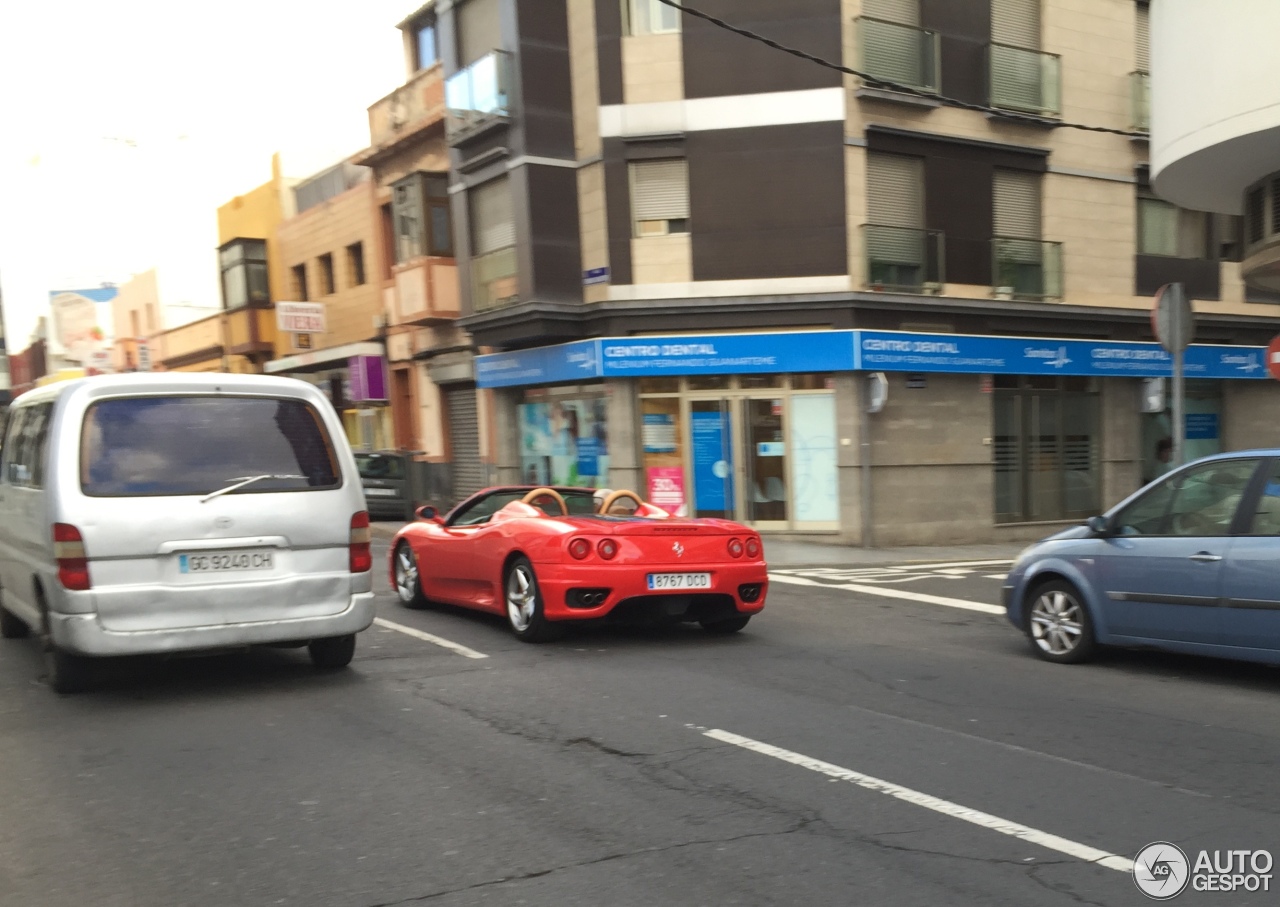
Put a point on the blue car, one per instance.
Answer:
(1191, 563)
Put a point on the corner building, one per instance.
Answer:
(747, 285)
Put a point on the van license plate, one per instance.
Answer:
(226, 562)
(679, 580)
(381, 492)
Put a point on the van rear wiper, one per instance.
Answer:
(241, 481)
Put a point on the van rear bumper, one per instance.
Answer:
(83, 634)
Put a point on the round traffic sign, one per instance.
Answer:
(1273, 358)
(1172, 319)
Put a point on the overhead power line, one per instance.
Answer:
(878, 82)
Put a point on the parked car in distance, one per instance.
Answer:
(545, 557)
(163, 512)
(388, 491)
(1190, 563)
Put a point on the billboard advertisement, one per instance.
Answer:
(81, 321)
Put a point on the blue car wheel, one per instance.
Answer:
(1058, 624)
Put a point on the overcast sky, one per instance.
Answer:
(124, 125)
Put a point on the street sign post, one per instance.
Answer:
(1173, 322)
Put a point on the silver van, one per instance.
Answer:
(167, 512)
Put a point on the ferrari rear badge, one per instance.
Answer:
(678, 549)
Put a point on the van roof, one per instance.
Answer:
(166, 382)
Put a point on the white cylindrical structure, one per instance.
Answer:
(1215, 100)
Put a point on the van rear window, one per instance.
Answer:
(189, 445)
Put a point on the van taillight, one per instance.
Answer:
(69, 553)
(361, 552)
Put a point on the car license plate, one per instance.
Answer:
(679, 580)
(226, 561)
(381, 492)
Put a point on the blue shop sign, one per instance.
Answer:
(563, 364)
(728, 354)
(891, 351)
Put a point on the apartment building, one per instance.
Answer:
(436, 408)
(145, 307)
(907, 308)
(332, 250)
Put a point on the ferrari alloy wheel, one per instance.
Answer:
(524, 604)
(1058, 624)
(408, 582)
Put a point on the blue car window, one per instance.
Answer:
(1199, 502)
(1266, 519)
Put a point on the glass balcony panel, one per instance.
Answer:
(900, 53)
(1028, 81)
(493, 280)
(1140, 95)
(479, 93)
(903, 258)
(1027, 268)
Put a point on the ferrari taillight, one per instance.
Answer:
(361, 551)
(70, 556)
(608, 549)
(735, 547)
(580, 548)
(753, 548)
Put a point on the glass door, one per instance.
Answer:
(765, 458)
(711, 433)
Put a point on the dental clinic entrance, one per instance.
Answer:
(759, 449)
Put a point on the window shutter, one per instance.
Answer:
(492, 217)
(895, 190)
(1143, 38)
(904, 12)
(1016, 203)
(479, 30)
(660, 190)
(895, 208)
(1016, 22)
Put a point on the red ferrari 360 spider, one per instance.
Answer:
(547, 556)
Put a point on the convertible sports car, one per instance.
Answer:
(546, 556)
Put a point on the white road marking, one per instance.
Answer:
(886, 592)
(996, 576)
(928, 801)
(427, 637)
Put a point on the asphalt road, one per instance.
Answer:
(834, 752)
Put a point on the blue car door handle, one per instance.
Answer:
(1206, 557)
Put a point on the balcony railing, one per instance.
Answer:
(493, 280)
(903, 258)
(479, 95)
(899, 53)
(1140, 100)
(1026, 268)
(1026, 81)
(415, 104)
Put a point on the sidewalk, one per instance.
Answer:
(784, 553)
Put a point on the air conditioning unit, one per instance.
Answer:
(932, 288)
(1004, 292)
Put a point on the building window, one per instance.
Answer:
(1165, 229)
(493, 245)
(423, 224)
(327, 286)
(895, 235)
(1023, 265)
(649, 17)
(1046, 449)
(243, 265)
(387, 225)
(355, 264)
(439, 216)
(135, 332)
(300, 283)
(660, 197)
(426, 53)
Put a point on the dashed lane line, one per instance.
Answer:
(888, 592)
(427, 637)
(928, 801)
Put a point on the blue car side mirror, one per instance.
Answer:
(1099, 525)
